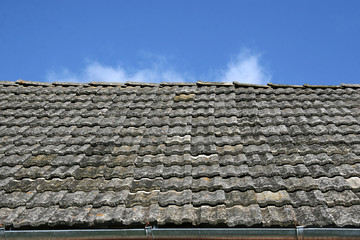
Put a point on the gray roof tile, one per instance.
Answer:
(173, 197)
(100, 216)
(176, 171)
(78, 198)
(32, 172)
(45, 199)
(69, 216)
(8, 215)
(178, 184)
(310, 198)
(345, 198)
(67, 160)
(177, 214)
(277, 216)
(208, 198)
(313, 216)
(244, 216)
(243, 198)
(54, 184)
(35, 217)
(142, 198)
(213, 215)
(15, 199)
(346, 216)
(7, 171)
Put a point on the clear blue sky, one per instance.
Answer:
(290, 42)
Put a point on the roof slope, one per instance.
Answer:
(178, 153)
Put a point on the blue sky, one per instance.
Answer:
(288, 42)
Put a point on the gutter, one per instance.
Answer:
(300, 233)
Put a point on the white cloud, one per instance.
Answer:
(63, 76)
(245, 68)
(97, 72)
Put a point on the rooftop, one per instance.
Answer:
(203, 154)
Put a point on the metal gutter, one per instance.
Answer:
(149, 233)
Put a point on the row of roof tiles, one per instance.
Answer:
(157, 117)
(211, 184)
(197, 171)
(266, 118)
(87, 149)
(176, 134)
(182, 94)
(287, 106)
(235, 163)
(252, 215)
(97, 198)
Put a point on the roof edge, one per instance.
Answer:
(321, 86)
(274, 85)
(237, 84)
(106, 84)
(349, 85)
(202, 83)
(69, 84)
(31, 83)
(163, 84)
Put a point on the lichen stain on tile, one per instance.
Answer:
(354, 182)
(274, 196)
(184, 97)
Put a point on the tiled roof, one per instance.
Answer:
(206, 154)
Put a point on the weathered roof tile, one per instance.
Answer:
(277, 216)
(244, 216)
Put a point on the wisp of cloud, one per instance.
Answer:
(244, 68)
(97, 72)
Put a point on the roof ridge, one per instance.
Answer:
(162, 84)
